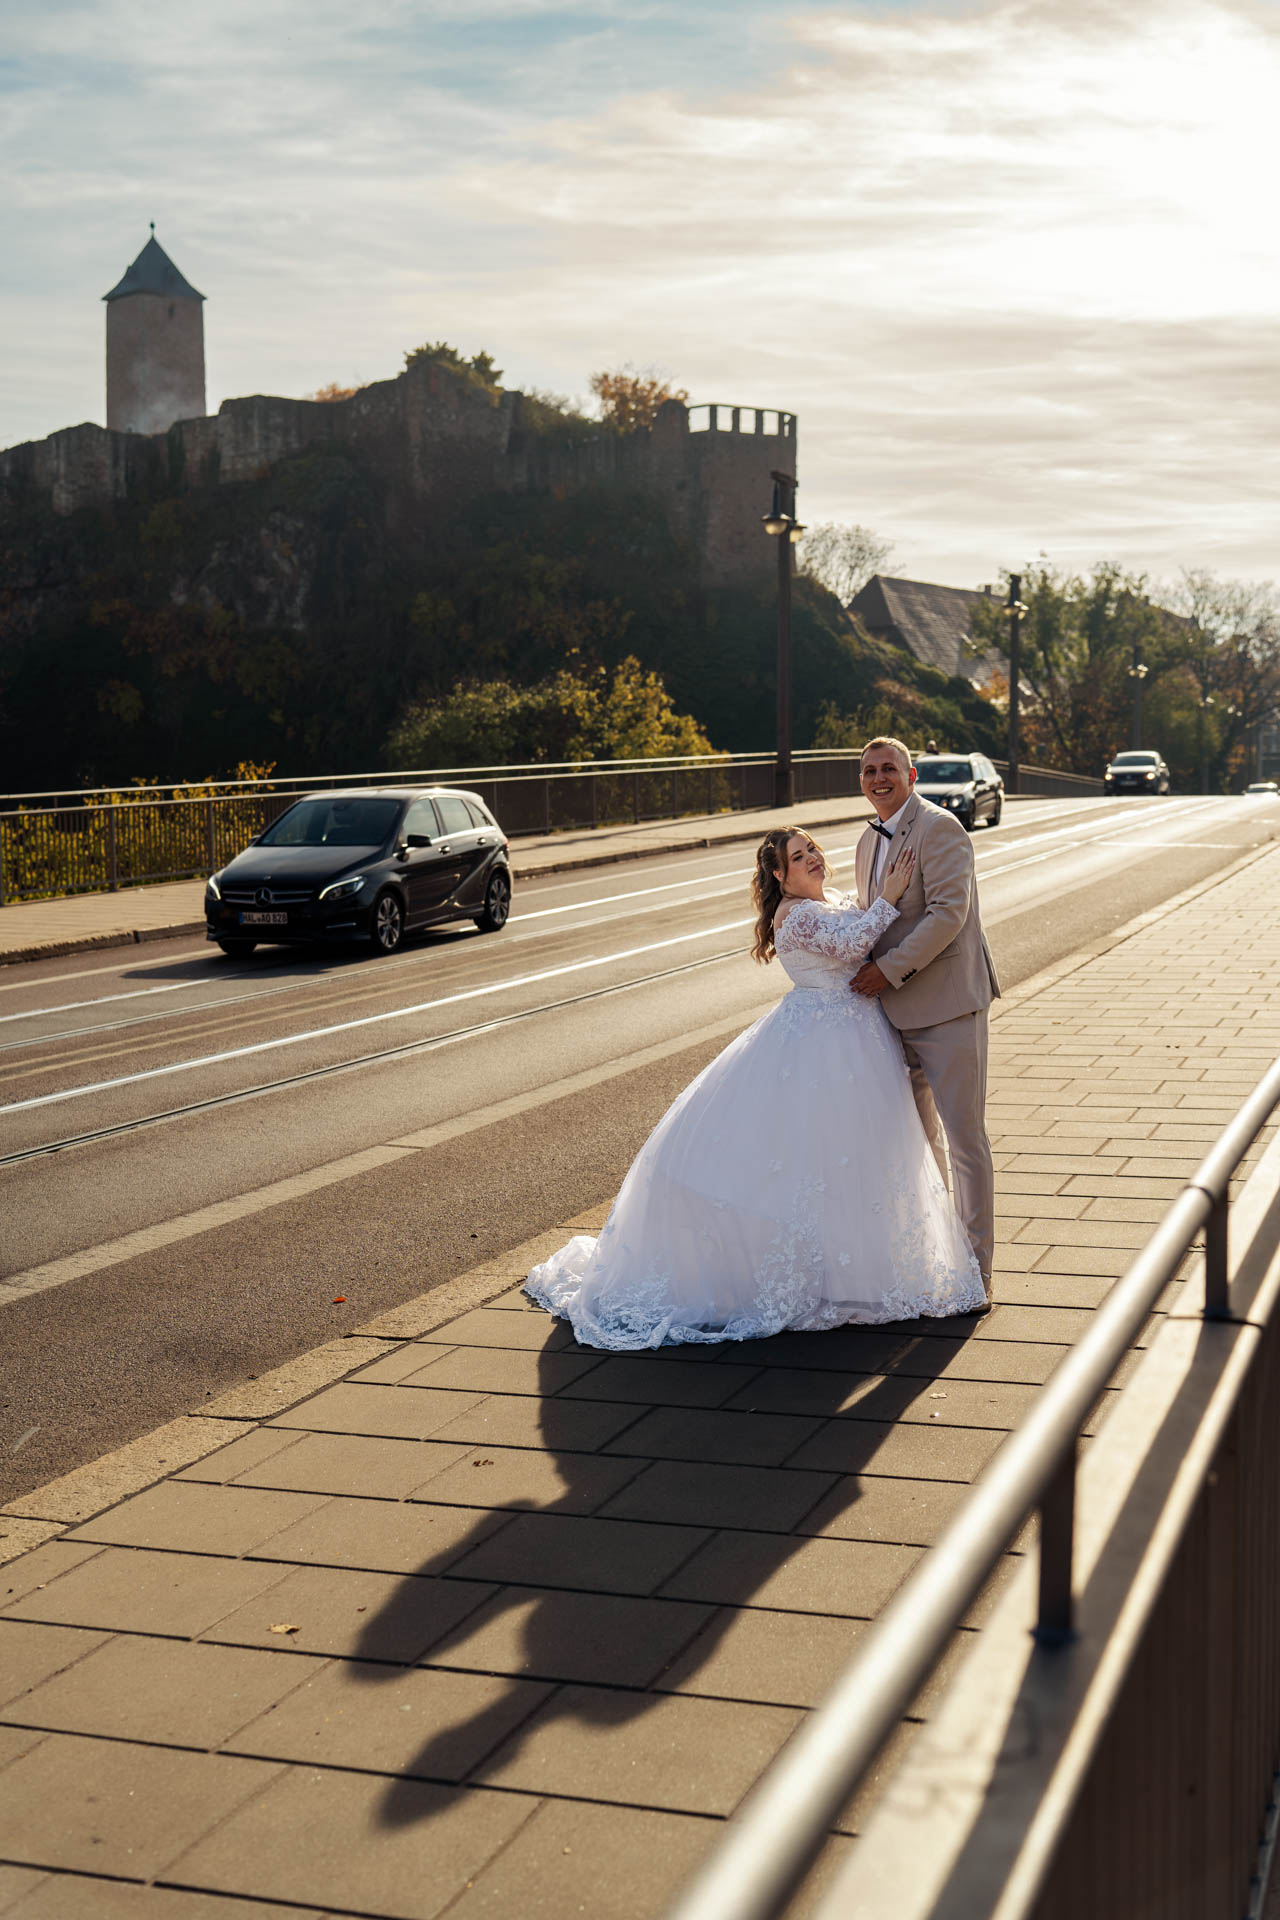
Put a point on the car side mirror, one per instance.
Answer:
(417, 840)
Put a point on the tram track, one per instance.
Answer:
(700, 888)
(206, 1021)
(404, 1050)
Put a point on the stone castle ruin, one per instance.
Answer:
(429, 436)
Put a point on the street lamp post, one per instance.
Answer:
(1202, 740)
(1137, 673)
(1016, 611)
(781, 522)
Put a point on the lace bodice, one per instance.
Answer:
(821, 944)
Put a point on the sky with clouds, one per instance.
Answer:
(1013, 263)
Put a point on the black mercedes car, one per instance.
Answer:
(1141, 771)
(367, 866)
(965, 784)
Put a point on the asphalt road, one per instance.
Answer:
(539, 1057)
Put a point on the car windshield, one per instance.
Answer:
(333, 823)
(1134, 760)
(931, 770)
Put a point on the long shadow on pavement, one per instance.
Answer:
(796, 1478)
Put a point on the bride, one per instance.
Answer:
(790, 1186)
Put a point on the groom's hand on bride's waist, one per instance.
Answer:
(868, 981)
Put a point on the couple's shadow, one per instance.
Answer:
(599, 1593)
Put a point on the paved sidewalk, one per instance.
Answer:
(456, 1616)
(37, 929)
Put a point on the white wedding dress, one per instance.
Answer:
(790, 1186)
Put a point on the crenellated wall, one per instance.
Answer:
(436, 435)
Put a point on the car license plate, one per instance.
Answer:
(264, 919)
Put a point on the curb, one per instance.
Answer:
(84, 1492)
(58, 949)
(89, 942)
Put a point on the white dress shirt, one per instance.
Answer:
(883, 849)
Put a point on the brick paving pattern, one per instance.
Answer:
(500, 1625)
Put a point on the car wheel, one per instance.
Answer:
(237, 949)
(497, 903)
(997, 810)
(386, 924)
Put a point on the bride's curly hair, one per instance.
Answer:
(766, 888)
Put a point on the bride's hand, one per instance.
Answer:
(898, 878)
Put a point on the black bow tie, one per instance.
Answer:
(883, 831)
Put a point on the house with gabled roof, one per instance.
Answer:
(931, 622)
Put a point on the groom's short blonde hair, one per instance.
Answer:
(899, 747)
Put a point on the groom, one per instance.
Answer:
(934, 976)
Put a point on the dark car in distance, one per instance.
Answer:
(1140, 771)
(370, 865)
(965, 784)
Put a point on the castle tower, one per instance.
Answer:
(155, 346)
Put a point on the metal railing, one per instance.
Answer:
(97, 840)
(1047, 783)
(771, 1844)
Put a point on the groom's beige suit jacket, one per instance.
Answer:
(942, 980)
(935, 955)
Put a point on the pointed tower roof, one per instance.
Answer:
(153, 272)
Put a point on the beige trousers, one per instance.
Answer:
(949, 1080)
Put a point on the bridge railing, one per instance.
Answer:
(1110, 1746)
(95, 840)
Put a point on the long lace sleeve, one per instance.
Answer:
(840, 933)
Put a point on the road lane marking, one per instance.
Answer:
(384, 1056)
(369, 1019)
(1051, 810)
(90, 973)
(740, 876)
(1103, 832)
(90, 1260)
(1106, 840)
(1047, 810)
(103, 1000)
(222, 1213)
(1098, 840)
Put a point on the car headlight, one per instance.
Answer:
(212, 887)
(343, 889)
(1149, 776)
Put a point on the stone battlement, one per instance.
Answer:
(711, 416)
(436, 434)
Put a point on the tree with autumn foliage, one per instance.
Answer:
(629, 399)
(578, 713)
(1211, 653)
